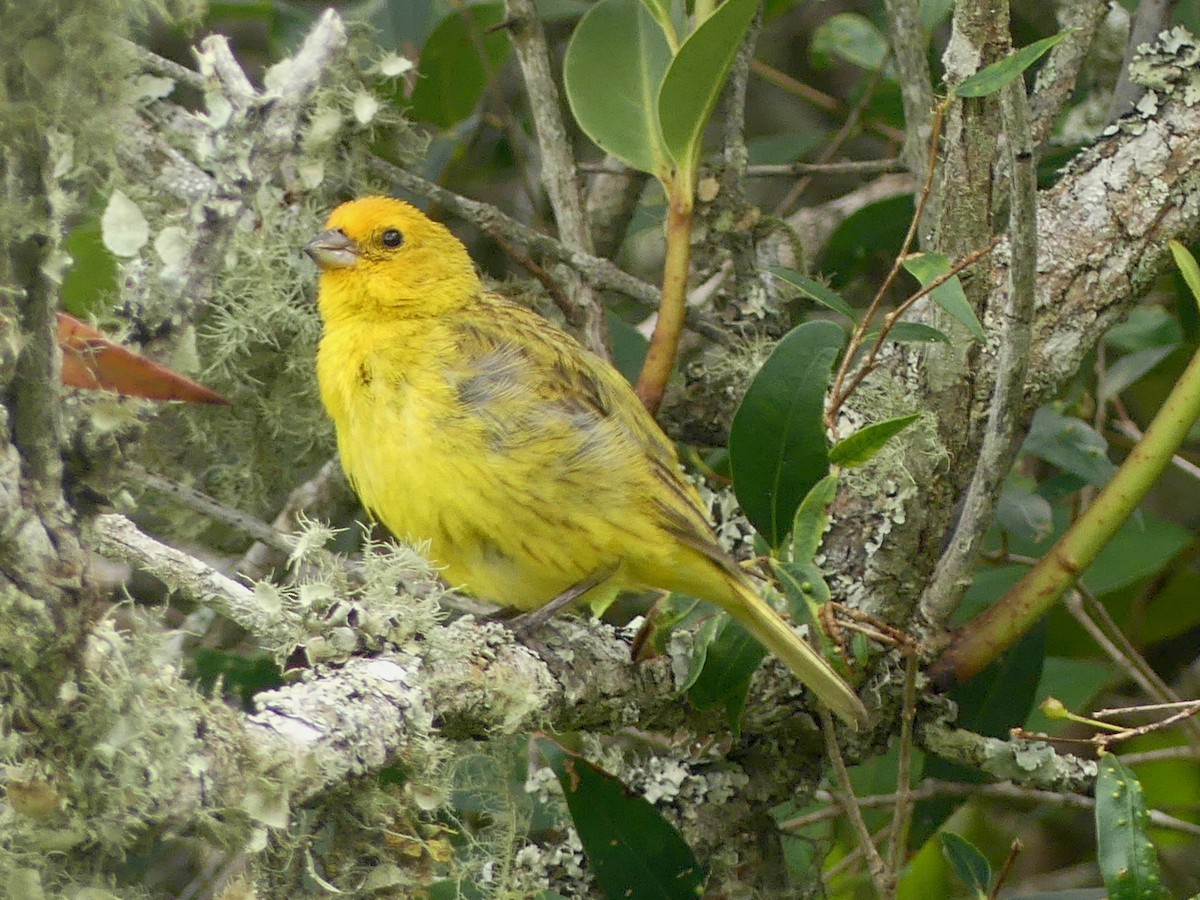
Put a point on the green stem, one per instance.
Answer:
(1028, 600)
(664, 343)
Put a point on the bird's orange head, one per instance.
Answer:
(379, 255)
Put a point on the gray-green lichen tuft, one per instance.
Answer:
(94, 772)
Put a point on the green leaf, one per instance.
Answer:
(695, 78)
(1075, 682)
(632, 850)
(927, 267)
(866, 243)
(805, 589)
(812, 518)
(731, 657)
(705, 635)
(1186, 263)
(1129, 368)
(451, 77)
(1071, 444)
(92, 278)
(613, 70)
(814, 290)
(1022, 512)
(777, 444)
(629, 347)
(1145, 328)
(1127, 859)
(852, 37)
(661, 10)
(862, 446)
(969, 864)
(991, 78)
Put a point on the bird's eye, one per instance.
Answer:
(391, 238)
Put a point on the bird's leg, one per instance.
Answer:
(527, 622)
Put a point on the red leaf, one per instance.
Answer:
(92, 361)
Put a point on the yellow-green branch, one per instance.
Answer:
(1028, 600)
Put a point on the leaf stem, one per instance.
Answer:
(664, 342)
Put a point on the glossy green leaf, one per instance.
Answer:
(694, 80)
(928, 267)
(731, 658)
(812, 518)
(777, 444)
(632, 850)
(1071, 444)
(1186, 263)
(861, 447)
(613, 70)
(1128, 862)
(991, 78)
(451, 77)
(814, 290)
(968, 862)
(851, 37)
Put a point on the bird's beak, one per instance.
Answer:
(332, 249)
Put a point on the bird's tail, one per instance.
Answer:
(766, 627)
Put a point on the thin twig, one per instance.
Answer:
(1095, 619)
(832, 148)
(904, 806)
(1014, 850)
(933, 789)
(213, 509)
(839, 397)
(821, 100)
(585, 313)
(780, 170)
(849, 803)
(856, 340)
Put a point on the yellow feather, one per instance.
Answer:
(526, 462)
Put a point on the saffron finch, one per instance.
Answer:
(527, 463)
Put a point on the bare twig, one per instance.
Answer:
(898, 844)
(778, 170)
(849, 805)
(207, 506)
(558, 166)
(856, 340)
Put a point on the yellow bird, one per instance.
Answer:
(527, 463)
